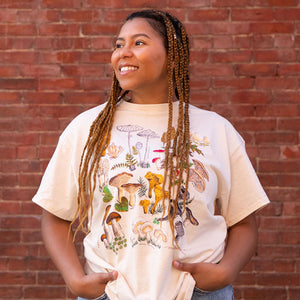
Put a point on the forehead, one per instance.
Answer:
(138, 26)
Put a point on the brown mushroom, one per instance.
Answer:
(145, 204)
(112, 220)
(118, 180)
(131, 188)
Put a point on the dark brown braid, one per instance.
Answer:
(177, 149)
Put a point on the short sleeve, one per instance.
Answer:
(246, 194)
(58, 189)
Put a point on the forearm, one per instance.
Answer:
(59, 243)
(241, 245)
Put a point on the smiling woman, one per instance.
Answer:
(164, 190)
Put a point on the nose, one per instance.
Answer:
(125, 51)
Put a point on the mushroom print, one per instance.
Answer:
(148, 134)
(190, 218)
(145, 204)
(129, 129)
(103, 172)
(112, 220)
(131, 188)
(118, 180)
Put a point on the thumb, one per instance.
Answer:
(184, 266)
(110, 276)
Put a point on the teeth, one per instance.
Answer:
(128, 68)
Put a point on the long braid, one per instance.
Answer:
(176, 152)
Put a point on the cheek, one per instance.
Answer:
(113, 60)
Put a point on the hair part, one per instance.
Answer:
(176, 168)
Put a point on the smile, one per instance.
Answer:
(128, 68)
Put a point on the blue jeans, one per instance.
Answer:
(224, 294)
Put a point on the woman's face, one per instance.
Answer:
(140, 58)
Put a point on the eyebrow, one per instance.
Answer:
(135, 36)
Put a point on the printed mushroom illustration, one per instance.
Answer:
(118, 180)
(159, 235)
(131, 188)
(129, 129)
(190, 217)
(112, 220)
(146, 229)
(145, 204)
(104, 240)
(103, 172)
(105, 226)
(149, 134)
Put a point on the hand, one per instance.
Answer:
(92, 285)
(208, 276)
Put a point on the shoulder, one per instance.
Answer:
(209, 117)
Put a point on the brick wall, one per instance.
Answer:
(54, 58)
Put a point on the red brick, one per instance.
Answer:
(208, 15)
(284, 55)
(222, 28)
(17, 30)
(251, 15)
(51, 84)
(233, 3)
(15, 57)
(11, 292)
(263, 41)
(253, 97)
(277, 83)
(257, 293)
(45, 292)
(282, 138)
(233, 83)
(59, 29)
(61, 4)
(100, 29)
(222, 42)
(23, 4)
(231, 56)
(284, 41)
(279, 3)
(286, 96)
(193, 4)
(256, 69)
(290, 69)
(18, 84)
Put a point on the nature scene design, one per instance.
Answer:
(144, 193)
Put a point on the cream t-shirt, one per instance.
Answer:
(129, 232)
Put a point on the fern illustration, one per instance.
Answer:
(130, 160)
(120, 165)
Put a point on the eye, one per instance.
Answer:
(118, 45)
(139, 43)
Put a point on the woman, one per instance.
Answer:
(167, 188)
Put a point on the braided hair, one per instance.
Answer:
(176, 167)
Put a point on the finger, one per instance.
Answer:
(184, 266)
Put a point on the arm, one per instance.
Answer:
(241, 244)
(61, 248)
